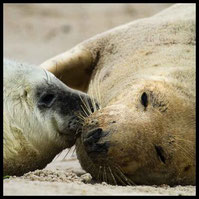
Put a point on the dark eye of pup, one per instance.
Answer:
(47, 100)
(144, 99)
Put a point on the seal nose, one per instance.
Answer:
(91, 142)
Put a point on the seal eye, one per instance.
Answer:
(47, 100)
(144, 99)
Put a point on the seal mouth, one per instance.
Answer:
(110, 173)
(74, 123)
(70, 130)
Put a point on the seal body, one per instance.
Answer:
(143, 75)
(40, 117)
(144, 132)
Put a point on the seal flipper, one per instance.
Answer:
(73, 67)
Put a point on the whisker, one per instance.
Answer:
(57, 156)
(86, 114)
(129, 182)
(186, 153)
(67, 153)
(98, 89)
(185, 140)
(83, 102)
(80, 116)
(103, 179)
(92, 98)
(91, 168)
(86, 108)
(114, 180)
(47, 77)
(99, 173)
(119, 178)
(105, 176)
(95, 91)
(74, 151)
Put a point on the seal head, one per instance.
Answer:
(41, 117)
(134, 139)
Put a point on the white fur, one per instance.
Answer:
(26, 129)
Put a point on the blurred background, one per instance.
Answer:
(35, 32)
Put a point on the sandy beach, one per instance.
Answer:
(64, 176)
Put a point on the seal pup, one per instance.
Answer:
(143, 74)
(40, 117)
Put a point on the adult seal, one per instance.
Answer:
(41, 117)
(143, 75)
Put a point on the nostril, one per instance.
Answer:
(95, 133)
(91, 143)
(93, 136)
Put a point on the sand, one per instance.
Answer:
(64, 176)
(36, 32)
